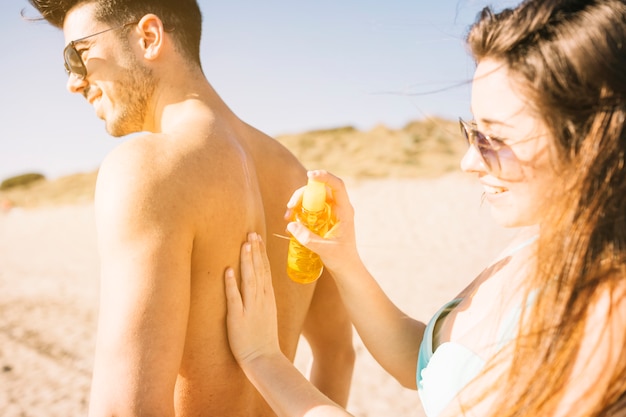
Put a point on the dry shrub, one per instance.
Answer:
(426, 148)
(21, 180)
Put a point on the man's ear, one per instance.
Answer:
(151, 32)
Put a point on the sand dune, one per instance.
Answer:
(424, 239)
(425, 149)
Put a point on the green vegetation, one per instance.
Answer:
(21, 180)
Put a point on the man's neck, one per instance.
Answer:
(178, 100)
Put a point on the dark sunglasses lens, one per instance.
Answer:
(485, 148)
(73, 62)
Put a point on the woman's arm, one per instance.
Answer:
(391, 336)
(328, 332)
(253, 336)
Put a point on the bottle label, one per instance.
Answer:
(303, 265)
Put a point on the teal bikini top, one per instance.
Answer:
(444, 371)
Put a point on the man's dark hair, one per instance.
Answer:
(180, 17)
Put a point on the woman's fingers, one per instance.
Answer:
(336, 195)
(337, 186)
(248, 275)
(294, 201)
(251, 317)
(233, 296)
(261, 264)
(322, 245)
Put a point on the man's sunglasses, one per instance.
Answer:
(73, 62)
(487, 147)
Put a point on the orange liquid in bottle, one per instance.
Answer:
(303, 265)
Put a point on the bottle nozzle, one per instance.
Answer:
(314, 197)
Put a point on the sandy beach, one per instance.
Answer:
(424, 240)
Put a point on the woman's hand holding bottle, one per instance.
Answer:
(337, 247)
(390, 335)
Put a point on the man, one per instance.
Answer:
(173, 207)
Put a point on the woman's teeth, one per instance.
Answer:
(494, 190)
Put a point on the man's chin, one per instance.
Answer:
(111, 131)
(119, 131)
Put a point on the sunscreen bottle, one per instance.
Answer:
(303, 265)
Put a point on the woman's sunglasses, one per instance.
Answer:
(487, 147)
(73, 62)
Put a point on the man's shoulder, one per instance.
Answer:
(165, 168)
(135, 161)
(142, 170)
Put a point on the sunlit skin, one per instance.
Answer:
(118, 86)
(173, 205)
(517, 195)
(517, 288)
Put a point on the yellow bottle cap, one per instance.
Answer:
(314, 196)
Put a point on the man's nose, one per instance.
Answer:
(75, 84)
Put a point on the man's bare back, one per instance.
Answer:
(173, 207)
(227, 181)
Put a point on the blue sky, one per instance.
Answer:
(283, 66)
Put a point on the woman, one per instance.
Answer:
(541, 332)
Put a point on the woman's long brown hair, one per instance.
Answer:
(568, 58)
